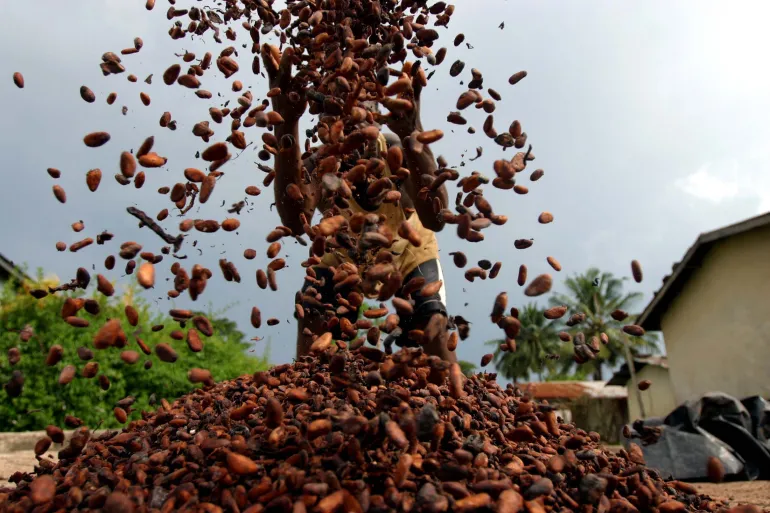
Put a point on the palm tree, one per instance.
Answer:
(597, 295)
(537, 339)
(468, 368)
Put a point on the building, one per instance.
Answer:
(658, 400)
(592, 405)
(9, 270)
(714, 312)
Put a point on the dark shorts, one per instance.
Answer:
(424, 307)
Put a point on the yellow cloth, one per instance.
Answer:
(405, 256)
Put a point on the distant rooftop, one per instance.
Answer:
(8, 269)
(621, 377)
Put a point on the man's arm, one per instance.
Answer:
(289, 170)
(406, 125)
(289, 174)
(423, 163)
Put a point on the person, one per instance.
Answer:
(416, 209)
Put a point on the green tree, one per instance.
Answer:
(579, 373)
(468, 368)
(537, 339)
(43, 401)
(597, 295)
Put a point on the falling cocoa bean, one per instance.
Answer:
(539, 286)
(96, 139)
(18, 80)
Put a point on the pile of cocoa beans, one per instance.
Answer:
(346, 431)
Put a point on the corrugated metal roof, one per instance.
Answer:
(652, 359)
(9, 268)
(573, 390)
(673, 284)
(621, 377)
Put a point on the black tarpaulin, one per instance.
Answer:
(717, 425)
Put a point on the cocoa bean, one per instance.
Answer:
(539, 286)
(96, 139)
(18, 80)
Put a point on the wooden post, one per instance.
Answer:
(632, 370)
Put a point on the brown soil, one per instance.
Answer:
(745, 492)
(15, 461)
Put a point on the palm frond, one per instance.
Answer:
(628, 300)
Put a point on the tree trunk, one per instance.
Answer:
(598, 372)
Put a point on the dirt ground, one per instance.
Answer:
(755, 492)
(15, 461)
(744, 492)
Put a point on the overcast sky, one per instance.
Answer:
(650, 123)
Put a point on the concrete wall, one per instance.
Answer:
(717, 331)
(605, 416)
(26, 440)
(658, 400)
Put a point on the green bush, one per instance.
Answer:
(43, 401)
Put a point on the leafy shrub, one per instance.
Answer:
(43, 401)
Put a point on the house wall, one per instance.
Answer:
(717, 331)
(658, 400)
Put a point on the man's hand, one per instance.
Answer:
(404, 124)
(291, 102)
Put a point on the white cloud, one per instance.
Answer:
(709, 186)
(745, 180)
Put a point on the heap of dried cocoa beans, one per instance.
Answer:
(346, 431)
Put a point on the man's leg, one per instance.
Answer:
(312, 322)
(425, 308)
(313, 319)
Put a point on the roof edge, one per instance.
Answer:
(652, 310)
(12, 269)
